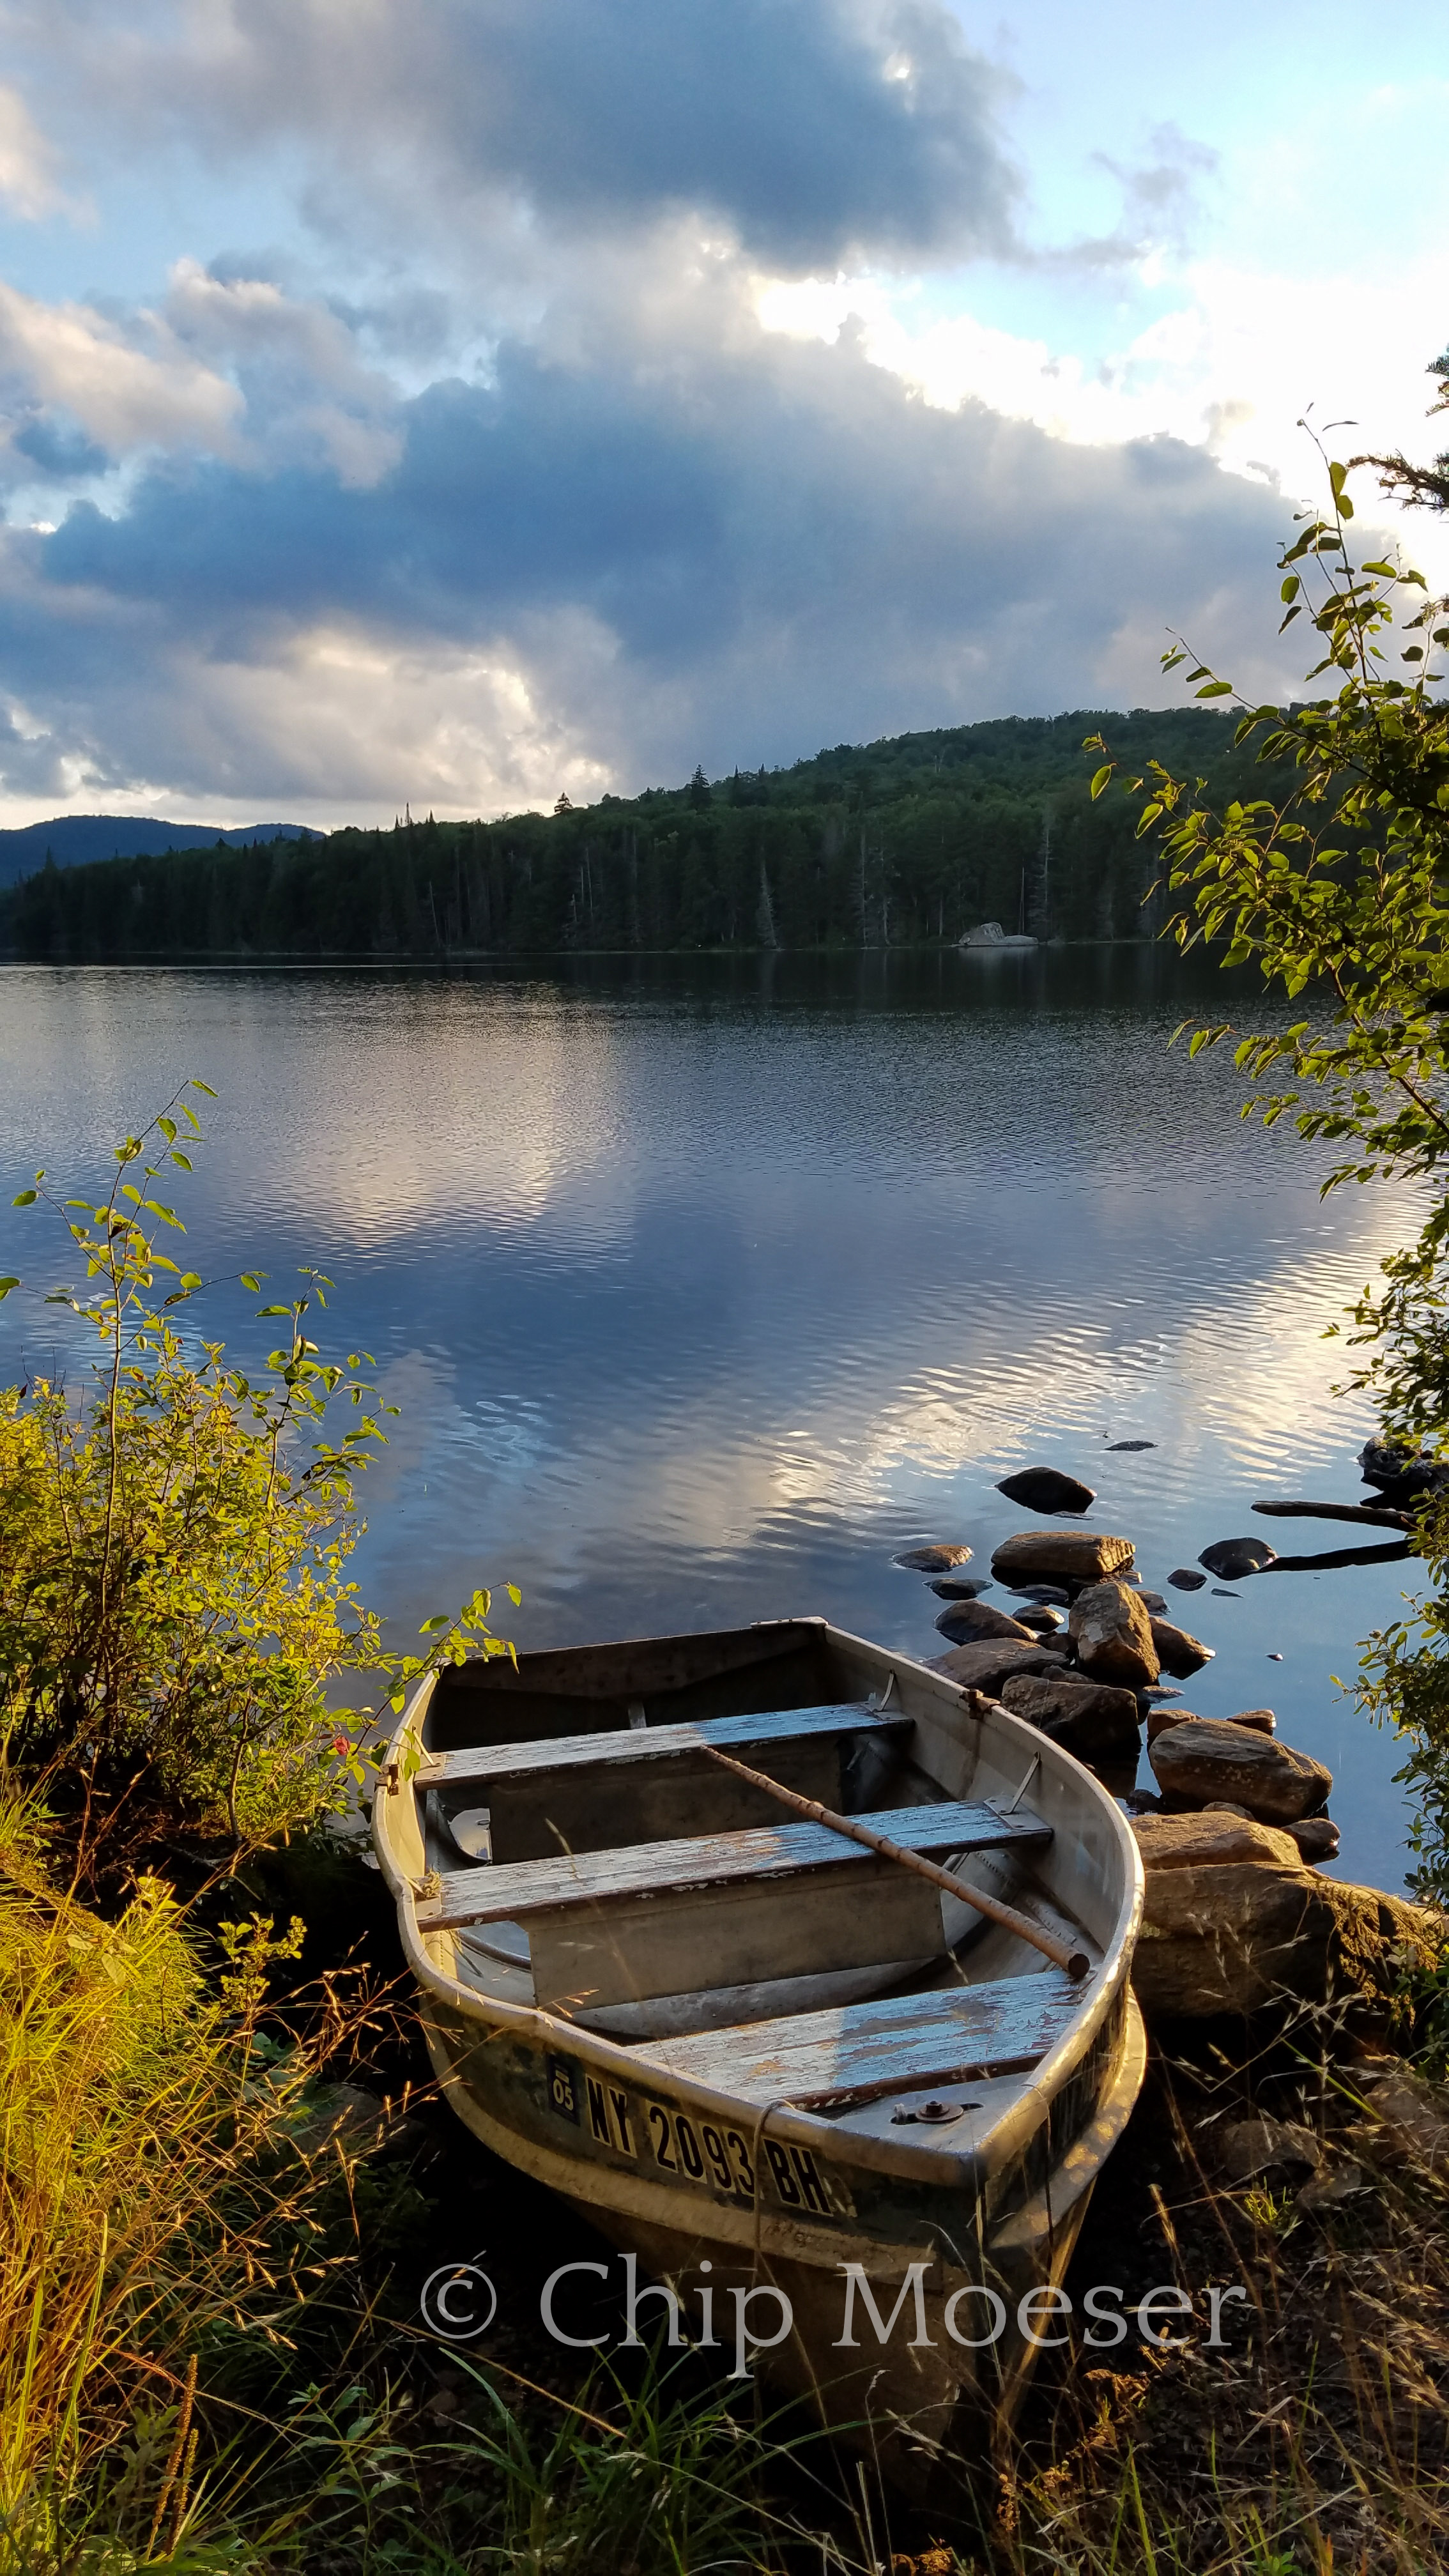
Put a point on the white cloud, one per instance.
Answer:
(74, 358)
(1232, 367)
(28, 163)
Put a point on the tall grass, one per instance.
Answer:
(161, 2224)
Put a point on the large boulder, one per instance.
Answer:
(985, 1667)
(965, 1622)
(1178, 1652)
(1045, 1489)
(1233, 1921)
(1058, 1555)
(1091, 1719)
(1112, 1634)
(1214, 1757)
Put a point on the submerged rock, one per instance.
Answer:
(1072, 1556)
(1045, 1489)
(1115, 1445)
(1112, 1634)
(1211, 1757)
(964, 1622)
(1047, 1595)
(1094, 1721)
(960, 1587)
(1186, 1578)
(932, 1560)
(1043, 1616)
(1179, 1653)
(1234, 1558)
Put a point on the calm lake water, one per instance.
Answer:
(704, 1287)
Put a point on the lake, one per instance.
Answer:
(705, 1286)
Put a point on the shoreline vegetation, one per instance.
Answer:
(907, 843)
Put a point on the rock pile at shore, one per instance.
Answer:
(1236, 1910)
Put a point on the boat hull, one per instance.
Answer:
(877, 2269)
(924, 2396)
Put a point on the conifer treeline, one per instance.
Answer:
(906, 841)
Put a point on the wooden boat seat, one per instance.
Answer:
(624, 1785)
(730, 1908)
(861, 2052)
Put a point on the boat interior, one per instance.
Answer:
(587, 1854)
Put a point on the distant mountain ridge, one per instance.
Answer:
(74, 840)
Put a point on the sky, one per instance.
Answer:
(454, 403)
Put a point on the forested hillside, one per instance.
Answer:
(906, 841)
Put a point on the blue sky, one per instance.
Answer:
(454, 401)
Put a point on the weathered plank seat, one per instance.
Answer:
(955, 2034)
(604, 1790)
(724, 1908)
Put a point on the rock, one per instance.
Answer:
(1044, 1489)
(1177, 1652)
(1211, 1757)
(1186, 1578)
(1333, 2183)
(1220, 1595)
(960, 1587)
(1091, 1719)
(1052, 1595)
(1225, 1807)
(1113, 1635)
(1160, 1719)
(1317, 1838)
(1205, 1842)
(1152, 1602)
(933, 1560)
(1401, 1474)
(1115, 1445)
(1412, 2117)
(1234, 1558)
(1073, 1556)
(964, 1622)
(1142, 1802)
(1248, 2147)
(1233, 1921)
(1043, 1616)
(987, 1665)
(1260, 1720)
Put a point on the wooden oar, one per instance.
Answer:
(1076, 1962)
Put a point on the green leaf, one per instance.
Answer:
(252, 1279)
(6, 1285)
(1217, 689)
(183, 1159)
(206, 1087)
(1291, 586)
(1102, 778)
(27, 1199)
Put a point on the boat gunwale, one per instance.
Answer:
(936, 2163)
